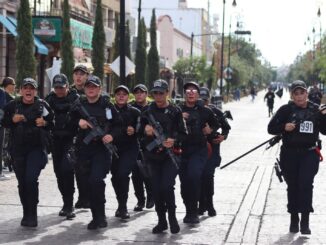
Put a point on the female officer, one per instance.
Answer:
(29, 119)
(299, 122)
(93, 158)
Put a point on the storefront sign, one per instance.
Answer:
(81, 34)
(48, 29)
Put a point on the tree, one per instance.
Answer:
(140, 59)
(25, 43)
(67, 55)
(98, 42)
(153, 58)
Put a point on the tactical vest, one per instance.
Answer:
(306, 132)
(27, 133)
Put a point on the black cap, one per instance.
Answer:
(160, 86)
(187, 84)
(204, 93)
(121, 87)
(30, 81)
(8, 81)
(81, 68)
(60, 80)
(298, 84)
(141, 87)
(94, 80)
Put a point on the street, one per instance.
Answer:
(249, 200)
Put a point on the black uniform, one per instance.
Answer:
(127, 150)
(28, 149)
(62, 142)
(269, 97)
(299, 160)
(213, 161)
(94, 159)
(315, 96)
(139, 180)
(194, 157)
(163, 170)
(83, 191)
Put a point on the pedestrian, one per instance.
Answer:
(253, 93)
(299, 123)
(169, 118)
(94, 112)
(124, 134)
(140, 178)
(200, 122)
(9, 85)
(29, 119)
(269, 97)
(315, 95)
(3, 102)
(62, 134)
(214, 160)
(80, 75)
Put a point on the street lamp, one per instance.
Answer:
(234, 4)
(192, 40)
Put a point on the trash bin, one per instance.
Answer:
(217, 101)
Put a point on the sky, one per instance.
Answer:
(279, 27)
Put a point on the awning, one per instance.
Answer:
(11, 23)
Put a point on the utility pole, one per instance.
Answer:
(122, 42)
(192, 44)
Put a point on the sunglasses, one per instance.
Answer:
(157, 92)
(188, 91)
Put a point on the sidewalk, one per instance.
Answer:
(250, 201)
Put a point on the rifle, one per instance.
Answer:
(273, 139)
(159, 139)
(96, 130)
(278, 170)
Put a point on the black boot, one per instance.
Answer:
(304, 224)
(139, 206)
(162, 223)
(210, 207)
(67, 211)
(294, 225)
(202, 203)
(24, 219)
(31, 217)
(149, 202)
(122, 213)
(173, 222)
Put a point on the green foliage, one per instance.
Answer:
(98, 42)
(153, 57)
(67, 55)
(141, 56)
(24, 43)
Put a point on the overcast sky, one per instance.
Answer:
(279, 27)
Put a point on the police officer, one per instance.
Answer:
(138, 178)
(124, 133)
(163, 170)
(80, 75)
(92, 156)
(299, 122)
(269, 97)
(315, 95)
(29, 119)
(200, 122)
(60, 100)
(214, 159)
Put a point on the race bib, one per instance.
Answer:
(108, 113)
(307, 127)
